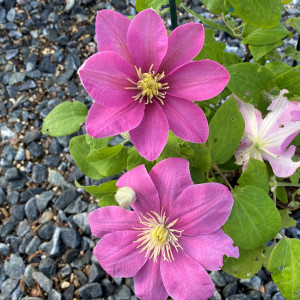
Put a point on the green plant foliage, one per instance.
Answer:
(294, 22)
(64, 119)
(97, 143)
(291, 51)
(259, 52)
(281, 194)
(255, 174)
(172, 147)
(248, 81)
(258, 13)
(134, 159)
(103, 189)
(155, 4)
(277, 68)
(260, 36)
(226, 130)
(200, 157)
(215, 6)
(254, 219)
(284, 265)
(287, 221)
(249, 263)
(103, 153)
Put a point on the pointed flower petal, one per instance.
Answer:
(148, 282)
(184, 43)
(198, 80)
(170, 176)
(109, 121)
(117, 254)
(213, 247)
(147, 40)
(147, 198)
(185, 279)
(104, 75)
(110, 219)
(186, 119)
(150, 136)
(111, 32)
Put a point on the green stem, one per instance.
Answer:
(208, 106)
(173, 14)
(287, 184)
(215, 166)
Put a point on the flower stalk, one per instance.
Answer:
(173, 14)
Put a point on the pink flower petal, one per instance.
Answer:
(202, 208)
(198, 80)
(208, 249)
(282, 163)
(171, 176)
(148, 282)
(104, 75)
(147, 198)
(108, 121)
(111, 32)
(147, 40)
(185, 279)
(186, 119)
(150, 136)
(117, 254)
(184, 43)
(110, 219)
(242, 154)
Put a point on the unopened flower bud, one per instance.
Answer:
(125, 196)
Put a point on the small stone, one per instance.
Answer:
(70, 255)
(28, 279)
(252, 283)
(46, 217)
(255, 295)
(25, 243)
(18, 211)
(48, 266)
(8, 286)
(16, 78)
(239, 297)
(6, 133)
(55, 178)
(31, 210)
(20, 154)
(31, 136)
(55, 147)
(47, 66)
(65, 198)
(10, 54)
(270, 288)
(69, 293)
(229, 289)
(76, 207)
(30, 62)
(107, 287)
(90, 291)
(47, 230)
(69, 6)
(96, 273)
(122, 292)
(15, 243)
(3, 196)
(44, 282)
(52, 160)
(29, 84)
(33, 245)
(23, 228)
(70, 237)
(64, 285)
(43, 200)
(218, 278)
(65, 77)
(278, 296)
(216, 296)
(39, 173)
(14, 267)
(76, 174)
(54, 295)
(4, 249)
(35, 150)
(10, 16)
(66, 270)
(77, 263)
(13, 197)
(55, 242)
(82, 221)
(12, 174)
(82, 278)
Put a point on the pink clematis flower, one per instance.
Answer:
(171, 237)
(268, 138)
(143, 81)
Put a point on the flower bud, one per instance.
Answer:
(125, 196)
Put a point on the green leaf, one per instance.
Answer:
(97, 143)
(200, 157)
(248, 81)
(260, 51)
(277, 68)
(284, 265)
(258, 13)
(104, 189)
(254, 219)
(249, 263)
(226, 130)
(79, 150)
(207, 22)
(103, 153)
(291, 51)
(230, 59)
(286, 1)
(250, 175)
(260, 36)
(155, 4)
(64, 119)
(215, 6)
(172, 147)
(281, 194)
(134, 159)
(287, 221)
(108, 200)
(294, 22)
(295, 178)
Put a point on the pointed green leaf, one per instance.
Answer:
(134, 159)
(250, 175)
(97, 143)
(215, 6)
(226, 130)
(64, 119)
(284, 265)
(172, 147)
(103, 153)
(155, 4)
(260, 51)
(107, 200)
(281, 194)
(103, 189)
(287, 221)
(254, 219)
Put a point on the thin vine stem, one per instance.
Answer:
(173, 14)
(287, 184)
(215, 166)
(234, 34)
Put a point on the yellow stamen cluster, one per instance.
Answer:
(158, 236)
(149, 86)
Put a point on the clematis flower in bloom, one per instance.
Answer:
(143, 81)
(268, 138)
(171, 237)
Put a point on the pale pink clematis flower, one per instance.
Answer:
(143, 81)
(268, 138)
(171, 237)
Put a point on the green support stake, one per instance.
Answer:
(173, 14)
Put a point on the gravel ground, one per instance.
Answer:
(45, 240)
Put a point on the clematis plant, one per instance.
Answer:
(269, 138)
(158, 242)
(143, 81)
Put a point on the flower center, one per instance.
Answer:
(158, 236)
(148, 86)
